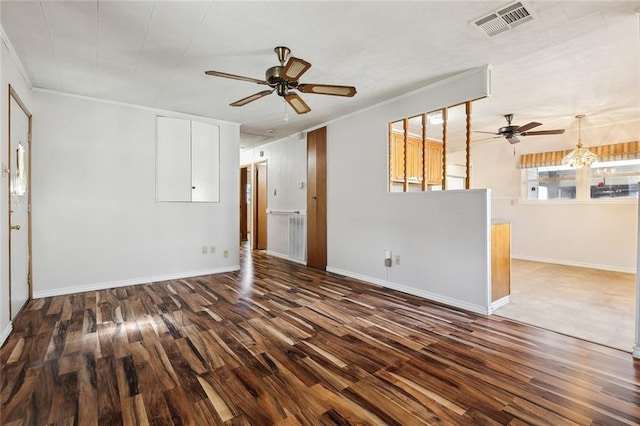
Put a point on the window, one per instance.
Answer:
(421, 147)
(615, 175)
(549, 183)
(615, 179)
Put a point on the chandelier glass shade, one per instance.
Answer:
(580, 156)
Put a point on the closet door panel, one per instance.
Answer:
(173, 160)
(205, 162)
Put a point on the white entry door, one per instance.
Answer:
(19, 207)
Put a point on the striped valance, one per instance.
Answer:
(616, 151)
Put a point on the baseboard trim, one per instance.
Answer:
(133, 281)
(478, 309)
(5, 333)
(578, 264)
(498, 304)
(636, 351)
(285, 257)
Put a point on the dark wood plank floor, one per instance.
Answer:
(278, 343)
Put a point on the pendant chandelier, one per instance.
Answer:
(580, 156)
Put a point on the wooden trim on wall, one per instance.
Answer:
(424, 151)
(467, 179)
(405, 137)
(391, 156)
(445, 116)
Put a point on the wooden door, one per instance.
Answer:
(19, 132)
(414, 159)
(260, 224)
(317, 198)
(243, 204)
(398, 157)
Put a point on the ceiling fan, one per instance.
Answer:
(511, 132)
(283, 79)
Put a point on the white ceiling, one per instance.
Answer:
(576, 57)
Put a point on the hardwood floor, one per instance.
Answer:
(279, 343)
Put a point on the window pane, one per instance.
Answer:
(434, 154)
(456, 156)
(551, 183)
(615, 179)
(397, 156)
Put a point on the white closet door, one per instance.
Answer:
(205, 162)
(173, 167)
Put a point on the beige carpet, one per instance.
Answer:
(594, 305)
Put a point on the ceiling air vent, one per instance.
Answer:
(503, 20)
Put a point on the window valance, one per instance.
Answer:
(616, 151)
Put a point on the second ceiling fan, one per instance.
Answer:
(511, 132)
(283, 79)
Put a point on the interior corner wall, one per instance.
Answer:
(9, 74)
(442, 238)
(286, 186)
(598, 234)
(96, 223)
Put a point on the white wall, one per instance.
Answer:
(597, 234)
(286, 170)
(9, 74)
(442, 237)
(96, 223)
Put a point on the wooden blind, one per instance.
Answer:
(616, 151)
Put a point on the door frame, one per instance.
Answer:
(14, 95)
(254, 201)
(244, 220)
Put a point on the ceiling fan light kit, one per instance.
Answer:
(580, 156)
(283, 79)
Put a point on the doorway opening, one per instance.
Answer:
(245, 203)
(259, 207)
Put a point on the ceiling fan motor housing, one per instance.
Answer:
(508, 130)
(273, 76)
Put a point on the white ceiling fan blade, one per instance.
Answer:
(297, 103)
(234, 77)
(295, 68)
(251, 98)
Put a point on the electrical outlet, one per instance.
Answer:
(205, 249)
(212, 249)
(397, 259)
(225, 253)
